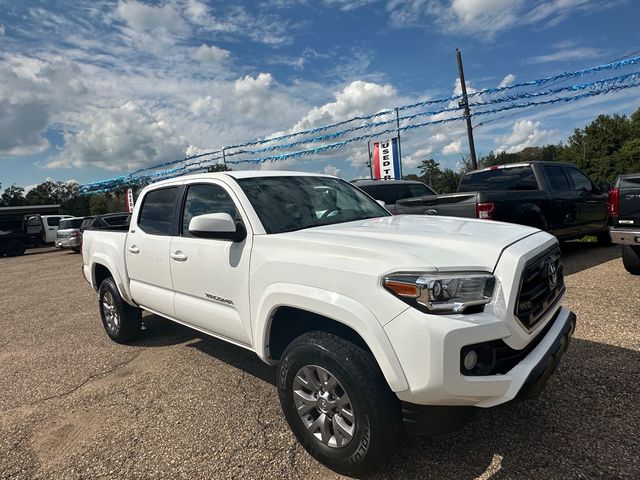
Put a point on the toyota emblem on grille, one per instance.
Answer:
(552, 275)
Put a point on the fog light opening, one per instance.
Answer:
(470, 360)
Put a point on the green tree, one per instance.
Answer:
(98, 204)
(447, 181)
(13, 196)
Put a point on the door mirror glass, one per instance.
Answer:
(216, 225)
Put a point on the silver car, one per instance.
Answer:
(69, 233)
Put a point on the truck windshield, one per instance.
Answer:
(509, 178)
(289, 203)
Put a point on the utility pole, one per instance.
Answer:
(399, 145)
(467, 113)
(369, 162)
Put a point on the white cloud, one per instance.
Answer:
(507, 80)
(331, 170)
(125, 137)
(143, 17)
(484, 17)
(566, 55)
(211, 55)
(416, 157)
(525, 133)
(1, 29)
(453, 147)
(357, 98)
(205, 106)
(346, 5)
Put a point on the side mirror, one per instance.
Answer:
(381, 203)
(216, 225)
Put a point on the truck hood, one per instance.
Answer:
(411, 241)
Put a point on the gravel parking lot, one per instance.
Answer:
(177, 404)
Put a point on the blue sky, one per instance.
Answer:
(90, 90)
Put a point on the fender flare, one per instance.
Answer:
(106, 262)
(336, 307)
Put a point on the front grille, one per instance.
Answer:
(538, 292)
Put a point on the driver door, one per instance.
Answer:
(210, 276)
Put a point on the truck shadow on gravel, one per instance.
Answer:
(578, 256)
(584, 424)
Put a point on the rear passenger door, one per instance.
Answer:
(147, 250)
(591, 203)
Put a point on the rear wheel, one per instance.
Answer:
(121, 321)
(631, 259)
(337, 403)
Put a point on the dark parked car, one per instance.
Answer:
(556, 197)
(624, 219)
(390, 191)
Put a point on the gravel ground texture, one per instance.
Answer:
(177, 404)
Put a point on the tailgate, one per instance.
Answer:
(629, 202)
(451, 205)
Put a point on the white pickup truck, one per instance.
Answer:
(376, 322)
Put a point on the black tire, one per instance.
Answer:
(14, 248)
(128, 323)
(631, 259)
(377, 427)
(75, 249)
(604, 239)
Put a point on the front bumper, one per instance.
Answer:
(625, 236)
(436, 419)
(428, 348)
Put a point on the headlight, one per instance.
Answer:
(442, 293)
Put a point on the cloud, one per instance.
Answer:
(210, 54)
(142, 17)
(525, 133)
(453, 147)
(125, 137)
(417, 156)
(331, 170)
(346, 5)
(1, 29)
(487, 17)
(357, 98)
(569, 54)
(507, 80)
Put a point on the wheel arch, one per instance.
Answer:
(531, 215)
(287, 311)
(101, 268)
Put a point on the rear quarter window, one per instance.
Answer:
(510, 178)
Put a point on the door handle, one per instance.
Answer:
(179, 256)
(134, 249)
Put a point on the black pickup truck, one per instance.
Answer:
(556, 197)
(624, 219)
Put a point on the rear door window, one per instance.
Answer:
(53, 221)
(510, 178)
(557, 178)
(419, 190)
(156, 215)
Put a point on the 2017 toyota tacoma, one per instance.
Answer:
(375, 322)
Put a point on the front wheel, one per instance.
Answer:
(121, 321)
(631, 259)
(337, 403)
